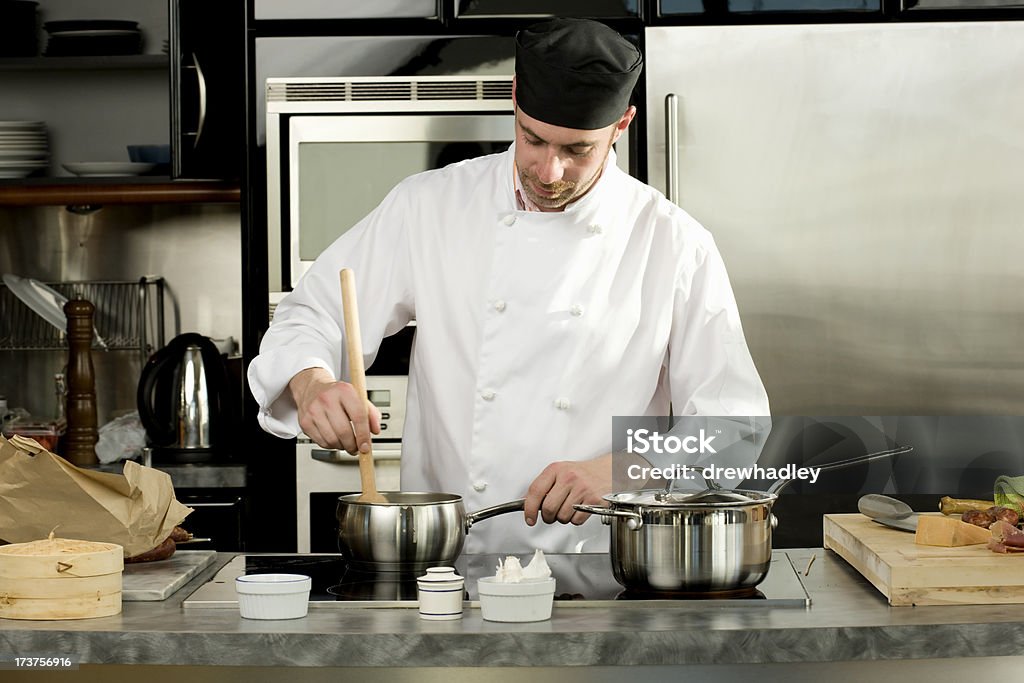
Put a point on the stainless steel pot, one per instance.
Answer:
(409, 531)
(714, 544)
(711, 541)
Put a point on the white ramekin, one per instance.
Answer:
(273, 596)
(528, 600)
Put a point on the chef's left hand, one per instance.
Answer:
(564, 484)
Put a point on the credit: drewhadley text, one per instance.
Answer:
(690, 472)
(647, 442)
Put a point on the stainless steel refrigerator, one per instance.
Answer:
(865, 184)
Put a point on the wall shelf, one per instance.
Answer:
(103, 191)
(100, 63)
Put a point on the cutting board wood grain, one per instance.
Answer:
(158, 580)
(911, 574)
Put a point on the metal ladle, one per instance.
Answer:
(888, 511)
(877, 506)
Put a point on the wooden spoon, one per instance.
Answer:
(358, 377)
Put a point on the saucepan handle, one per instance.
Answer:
(493, 511)
(899, 450)
(633, 520)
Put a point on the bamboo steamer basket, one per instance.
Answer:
(60, 578)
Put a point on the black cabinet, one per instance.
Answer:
(207, 51)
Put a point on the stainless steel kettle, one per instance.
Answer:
(193, 401)
(182, 398)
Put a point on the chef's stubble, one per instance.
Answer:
(564, 191)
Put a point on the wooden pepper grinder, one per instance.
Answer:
(82, 434)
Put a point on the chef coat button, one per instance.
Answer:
(499, 305)
(509, 220)
(576, 310)
(595, 228)
(562, 403)
(487, 394)
(479, 486)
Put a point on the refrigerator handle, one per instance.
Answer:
(671, 147)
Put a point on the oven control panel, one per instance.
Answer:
(387, 392)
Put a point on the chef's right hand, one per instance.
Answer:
(332, 413)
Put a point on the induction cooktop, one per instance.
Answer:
(582, 580)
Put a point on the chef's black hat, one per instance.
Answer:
(575, 73)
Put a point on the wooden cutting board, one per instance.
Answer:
(911, 574)
(157, 580)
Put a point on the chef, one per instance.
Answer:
(551, 291)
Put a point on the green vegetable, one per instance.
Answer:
(1009, 492)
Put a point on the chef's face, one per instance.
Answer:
(559, 165)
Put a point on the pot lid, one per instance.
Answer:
(690, 499)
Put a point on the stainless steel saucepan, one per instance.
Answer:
(716, 540)
(407, 531)
(396, 531)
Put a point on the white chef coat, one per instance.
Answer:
(533, 330)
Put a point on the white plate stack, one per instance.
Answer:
(24, 148)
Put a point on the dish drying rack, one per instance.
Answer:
(129, 316)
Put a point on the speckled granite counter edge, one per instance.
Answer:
(517, 649)
(848, 621)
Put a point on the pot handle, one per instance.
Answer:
(493, 511)
(899, 450)
(633, 520)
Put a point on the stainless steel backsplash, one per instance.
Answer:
(195, 247)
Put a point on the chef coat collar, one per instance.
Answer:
(522, 203)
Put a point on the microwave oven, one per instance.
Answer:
(337, 145)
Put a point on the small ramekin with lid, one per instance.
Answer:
(440, 593)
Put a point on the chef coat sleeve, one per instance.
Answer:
(711, 371)
(308, 326)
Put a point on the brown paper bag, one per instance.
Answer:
(40, 491)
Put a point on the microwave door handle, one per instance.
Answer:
(201, 81)
(671, 147)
